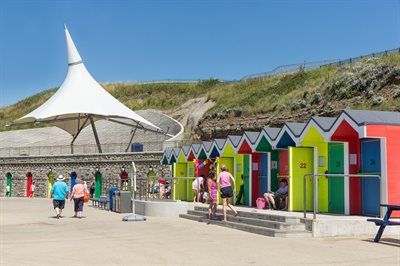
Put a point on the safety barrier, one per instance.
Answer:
(316, 189)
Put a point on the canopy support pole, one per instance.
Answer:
(95, 134)
(77, 133)
(130, 141)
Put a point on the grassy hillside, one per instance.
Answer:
(369, 84)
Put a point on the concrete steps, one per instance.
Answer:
(257, 223)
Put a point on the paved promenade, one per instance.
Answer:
(29, 235)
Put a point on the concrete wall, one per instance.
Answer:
(162, 208)
(84, 165)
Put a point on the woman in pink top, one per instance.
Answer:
(226, 190)
(78, 191)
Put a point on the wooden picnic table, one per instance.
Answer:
(382, 223)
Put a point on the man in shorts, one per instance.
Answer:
(59, 192)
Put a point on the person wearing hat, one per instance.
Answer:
(59, 192)
(226, 191)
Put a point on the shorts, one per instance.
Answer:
(78, 204)
(59, 204)
(226, 192)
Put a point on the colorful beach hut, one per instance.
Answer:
(252, 178)
(269, 159)
(235, 163)
(295, 162)
(328, 158)
(373, 138)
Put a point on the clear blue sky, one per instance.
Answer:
(182, 39)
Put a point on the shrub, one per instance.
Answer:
(378, 100)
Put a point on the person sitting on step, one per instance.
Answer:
(271, 198)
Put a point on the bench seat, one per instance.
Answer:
(383, 222)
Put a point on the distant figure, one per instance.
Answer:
(226, 190)
(33, 188)
(8, 190)
(85, 186)
(92, 189)
(212, 190)
(161, 183)
(59, 192)
(167, 190)
(197, 186)
(78, 192)
(241, 192)
(272, 197)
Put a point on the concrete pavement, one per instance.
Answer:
(29, 235)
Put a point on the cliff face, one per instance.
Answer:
(370, 84)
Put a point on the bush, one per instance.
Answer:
(378, 100)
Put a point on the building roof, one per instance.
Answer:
(365, 117)
(325, 123)
(295, 128)
(272, 132)
(252, 136)
(220, 143)
(235, 140)
(185, 150)
(207, 145)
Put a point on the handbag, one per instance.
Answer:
(206, 196)
(85, 196)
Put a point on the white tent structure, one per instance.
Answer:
(81, 101)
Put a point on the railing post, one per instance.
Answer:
(304, 198)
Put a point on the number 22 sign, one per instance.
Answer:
(303, 165)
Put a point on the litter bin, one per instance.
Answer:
(111, 199)
(123, 201)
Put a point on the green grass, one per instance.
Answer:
(263, 95)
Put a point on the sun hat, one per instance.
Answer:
(223, 167)
(60, 178)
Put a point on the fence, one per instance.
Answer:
(149, 146)
(315, 181)
(355, 59)
(312, 65)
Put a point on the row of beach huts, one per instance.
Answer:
(359, 148)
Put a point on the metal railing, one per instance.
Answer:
(356, 59)
(291, 68)
(148, 146)
(315, 179)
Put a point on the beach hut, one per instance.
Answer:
(328, 158)
(373, 139)
(252, 178)
(295, 162)
(236, 164)
(269, 159)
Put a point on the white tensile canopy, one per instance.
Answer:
(81, 100)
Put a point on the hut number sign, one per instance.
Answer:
(303, 165)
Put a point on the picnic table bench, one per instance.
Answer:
(100, 202)
(382, 223)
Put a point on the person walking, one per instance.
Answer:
(91, 189)
(226, 190)
(8, 190)
(241, 192)
(33, 188)
(212, 190)
(59, 192)
(78, 192)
